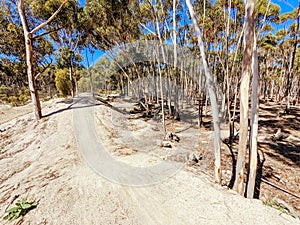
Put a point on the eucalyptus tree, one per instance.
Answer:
(294, 31)
(267, 47)
(248, 71)
(67, 57)
(12, 48)
(212, 93)
(165, 22)
(266, 12)
(104, 74)
(253, 137)
(223, 47)
(110, 23)
(277, 53)
(11, 39)
(32, 31)
(70, 39)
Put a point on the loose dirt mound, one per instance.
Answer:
(41, 161)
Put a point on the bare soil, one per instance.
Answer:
(279, 160)
(41, 161)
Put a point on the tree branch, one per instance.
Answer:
(21, 9)
(144, 26)
(49, 32)
(44, 69)
(265, 17)
(50, 18)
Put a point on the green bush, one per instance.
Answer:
(13, 100)
(4, 90)
(23, 98)
(3, 97)
(45, 99)
(62, 82)
(26, 91)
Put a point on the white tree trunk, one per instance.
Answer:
(254, 125)
(212, 95)
(174, 34)
(244, 94)
(28, 36)
(29, 62)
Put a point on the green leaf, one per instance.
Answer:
(14, 209)
(24, 200)
(17, 214)
(30, 205)
(26, 206)
(7, 217)
(22, 208)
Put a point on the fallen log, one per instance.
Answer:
(280, 188)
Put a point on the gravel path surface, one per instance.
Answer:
(42, 161)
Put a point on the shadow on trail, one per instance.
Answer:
(72, 102)
(83, 102)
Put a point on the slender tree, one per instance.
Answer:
(244, 94)
(212, 95)
(253, 124)
(28, 36)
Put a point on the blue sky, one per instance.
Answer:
(285, 5)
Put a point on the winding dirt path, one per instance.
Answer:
(41, 161)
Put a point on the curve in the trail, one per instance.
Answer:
(99, 159)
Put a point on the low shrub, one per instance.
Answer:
(22, 207)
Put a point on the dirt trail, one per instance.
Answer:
(41, 161)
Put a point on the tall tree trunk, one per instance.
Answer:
(254, 126)
(31, 78)
(89, 72)
(162, 95)
(174, 34)
(29, 62)
(212, 95)
(160, 73)
(176, 104)
(72, 88)
(29, 54)
(292, 61)
(244, 94)
(227, 68)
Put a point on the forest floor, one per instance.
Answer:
(43, 162)
(279, 158)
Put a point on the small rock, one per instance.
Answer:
(166, 144)
(176, 138)
(172, 137)
(169, 136)
(193, 158)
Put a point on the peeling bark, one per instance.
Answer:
(244, 95)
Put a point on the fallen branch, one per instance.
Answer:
(280, 188)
